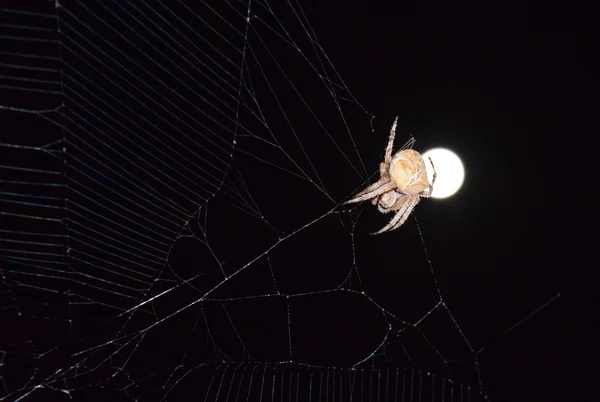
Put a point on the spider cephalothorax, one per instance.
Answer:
(402, 183)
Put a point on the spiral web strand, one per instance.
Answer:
(167, 194)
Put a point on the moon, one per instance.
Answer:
(450, 172)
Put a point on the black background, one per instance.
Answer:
(495, 84)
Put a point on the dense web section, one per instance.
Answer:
(171, 217)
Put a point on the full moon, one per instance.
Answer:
(450, 172)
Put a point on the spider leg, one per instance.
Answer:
(434, 174)
(394, 220)
(401, 216)
(372, 191)
(427, 193)
(390, 145)
(383, 170)
(413, 203)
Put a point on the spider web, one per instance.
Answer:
(172, 218)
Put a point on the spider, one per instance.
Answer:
(402, 183)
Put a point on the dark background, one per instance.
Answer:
(498, 84)
(492, 82)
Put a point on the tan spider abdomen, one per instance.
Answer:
(408, 172)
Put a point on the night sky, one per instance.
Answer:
(495, 84)
(489, 82)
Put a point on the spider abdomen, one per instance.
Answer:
(408, 172)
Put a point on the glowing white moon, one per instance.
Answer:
(450, 172)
